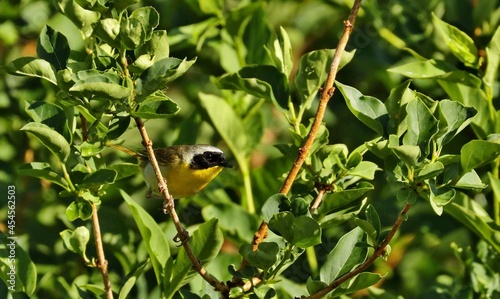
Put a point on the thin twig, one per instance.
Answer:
(102, 263)
(169, 207)
(317, 201)
(379, 251)
(326, 94)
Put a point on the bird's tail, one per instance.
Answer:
(127, 151)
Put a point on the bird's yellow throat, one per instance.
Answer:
(188, 169)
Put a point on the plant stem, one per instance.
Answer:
(102, 263)
(182, 234)
(312, 260)
(379, 251)
(318, 119)
(317, 201)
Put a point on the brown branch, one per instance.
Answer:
(102, 263)
(326, 94)
(317, 201)
(168, 207)
(85, 132)
(379, 251)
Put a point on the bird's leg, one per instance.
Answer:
(181, 237)
(168, 205)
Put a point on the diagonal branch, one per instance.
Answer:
(379, 251)
(168, 206)
(326, 94)
(102, 263)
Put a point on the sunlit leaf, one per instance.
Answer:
(154, 238)
(51, 139)
(460, 44)
(337, 258)
(33, 67)
(53, 47)
(23, 277)
(368, 110)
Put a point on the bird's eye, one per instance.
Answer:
(209, 157)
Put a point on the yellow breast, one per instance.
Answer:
(182, 181)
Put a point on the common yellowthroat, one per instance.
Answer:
(187, 168)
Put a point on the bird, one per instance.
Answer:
(188, 169)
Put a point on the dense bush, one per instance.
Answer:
(406, 151)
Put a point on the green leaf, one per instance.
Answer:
(82, 18)
(461, 77)
(22, 278)
(453, 117)
(423, 69)
(365, 169)
(43, 171)
(125, 169)
(122, 4)
(396, 104)
(205, 242)
(50, 115)
(492, 63)
(76, 241)
(154, 239)
(477, 153)
(100, 177)
(263, 81)
(339, 256)
(359, 282)
(88, 149)
(313, 71)
(335, 200)
(117, 126)
(429, 171)
(280, 52)
(272, 206)
(109, 31)
(157, 47)
(111, 91)
(440, 196)
(470, 180)
(474, 217)
(240, 223)
(460, 44)
(409, 154)
(264, 257)
(373, 217)
(314, 286)
(368, 228)
(162, 72)
(157, 105)
(254, 125)
(225, 120)
(281, 224)
(206, 7)
(79, 209)
(302, 231)
(53, 47)
(422, 126)
(33, 67)
(306, 232)
(51, 139)
(131, 279)
(132, 32)
(407, 196)
(368, 110)
(249, 28)
(472, 97)
(299, 206)
(149, 17)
